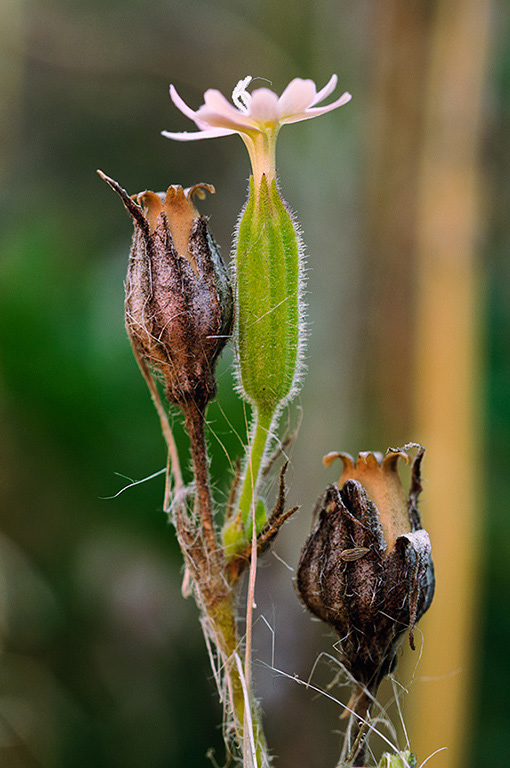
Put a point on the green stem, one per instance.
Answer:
(227, 639)
(258, 447)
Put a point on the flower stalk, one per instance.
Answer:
(257, 449)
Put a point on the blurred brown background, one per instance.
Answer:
(403, 198)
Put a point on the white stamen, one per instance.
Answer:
(240, 95)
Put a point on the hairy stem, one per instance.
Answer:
(246, 719)
(361, 703)
(257, 450)
(195, 420)
(217, 597)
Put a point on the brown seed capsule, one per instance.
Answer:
(178, 296)
(366, 568)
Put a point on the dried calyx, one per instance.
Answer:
(178, 296)
(366, 568)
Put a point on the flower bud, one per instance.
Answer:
(404, 759)
(366, 568)
(268, 277)
(178, 296)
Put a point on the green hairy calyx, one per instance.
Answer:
(269, 331)
(268, 274)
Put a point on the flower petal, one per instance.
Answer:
(297, 97)
(181, 104)
(264, 106)
(324, 92)
(316, 111)
(218, 120)
(219, 113)
(208, 133)
(217, 103)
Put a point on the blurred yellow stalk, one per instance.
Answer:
(424, 324)
(447, 407)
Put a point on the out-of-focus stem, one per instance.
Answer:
(448, 370)
(163, 418)
(429, 67)
(13, 33)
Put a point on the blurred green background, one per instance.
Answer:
(102, 661)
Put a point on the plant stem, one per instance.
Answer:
(258, 447)
(163, 417)
(223, 626)
(195, 420)
(217, 599)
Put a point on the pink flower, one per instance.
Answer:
(257, 117)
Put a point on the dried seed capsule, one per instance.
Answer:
(366, 568)
(178, 296)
